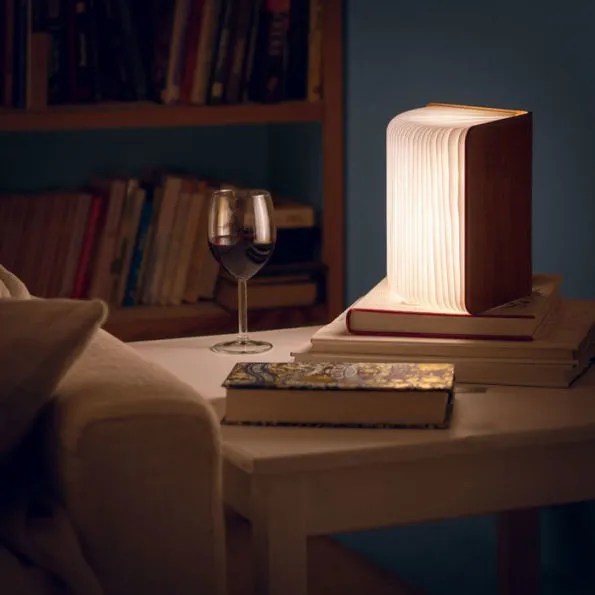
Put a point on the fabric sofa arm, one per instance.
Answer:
(136, 457)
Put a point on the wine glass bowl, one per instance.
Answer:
(241, 238)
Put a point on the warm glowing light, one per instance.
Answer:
(425, 152)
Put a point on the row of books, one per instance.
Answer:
(182, 51)
(125, 240)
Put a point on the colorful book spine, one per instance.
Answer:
(131, 293)
(83, 270)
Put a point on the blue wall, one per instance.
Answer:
(530, 55)
(527, 54)
(71, 159)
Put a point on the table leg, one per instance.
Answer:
(279, 539)
(518, 552)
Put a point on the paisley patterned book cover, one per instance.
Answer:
(342, 376)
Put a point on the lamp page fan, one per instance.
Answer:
(458, 208)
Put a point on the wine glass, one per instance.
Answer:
(241, 237)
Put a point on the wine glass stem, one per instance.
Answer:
(242, 311)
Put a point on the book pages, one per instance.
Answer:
(426, 205)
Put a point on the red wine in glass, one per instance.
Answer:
(240, 256)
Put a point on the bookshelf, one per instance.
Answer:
(153, 322)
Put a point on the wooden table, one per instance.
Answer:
(509, 451)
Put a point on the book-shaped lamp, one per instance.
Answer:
(459, 207)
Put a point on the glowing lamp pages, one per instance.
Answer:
(425, 150)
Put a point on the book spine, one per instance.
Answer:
(222, 54)
(132, 50)
(79, 226)
(83, 269)
(315, 51)
(296, 84)
(172, 256)
(138, 204)
(37, 95)
(268, 76)
(171, 90)
(233, 86)
(186, 250)
(66, 227)
(161, 27)
(287, 217)
(115, 76)
(191, 50)
(93, 50)
(248, 67)
(171, 191)
(20, 53)
(7, 41)
(83, 76)
(56, 26)
(131, 293)
(205, 51)
(123, 238)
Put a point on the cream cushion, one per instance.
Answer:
(39, 341)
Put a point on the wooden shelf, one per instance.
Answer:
(153, 115)
(205, 318)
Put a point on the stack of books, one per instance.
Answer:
(544, 340)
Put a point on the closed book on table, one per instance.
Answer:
(377, 314)
(340, 394)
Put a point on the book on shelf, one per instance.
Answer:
(298, 236)
(270, 61)
(314, 75)
(377, 313)
(268, 292)
(182, 51)
(561, 351)
(340, 394)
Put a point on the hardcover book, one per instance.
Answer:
(561, 338)
(562, 350)
(340, 394)
(376, 313)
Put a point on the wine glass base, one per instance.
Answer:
(242, 346)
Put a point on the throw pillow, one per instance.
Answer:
(39, 341)
(12, 286)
